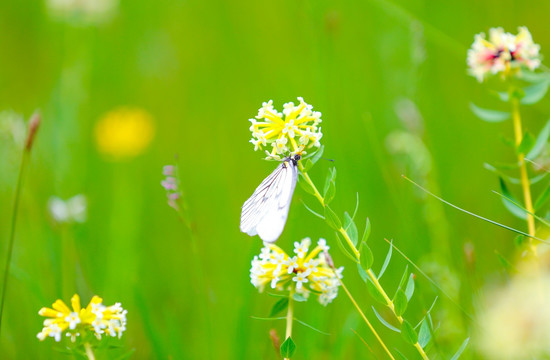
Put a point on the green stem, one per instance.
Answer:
(366, 320)
(370, 273)
(289, 317)
(525, 185)
(68, 263)
(89, 351)
(15, 208)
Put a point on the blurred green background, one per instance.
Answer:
(385, 75)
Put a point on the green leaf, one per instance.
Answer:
(540, 143)
(306, 185)
(424, 335)
(519, 241)
(311, 327)
(332, 219)
(317, 155)
(503, 96)
(384, 322)
(330, 192)
(408, 333)
(279, 306)
(505, 263)
(343, 248)
(366, 234)
(313, 211)
(362, 273)
(460, 350)
(366, 258)
(409, 290)
(288, 348)
(403, 277)
(533, 77)
(308, 164)
(534, 93)
(526, 143)
(542, 198)
(375, 293)
(513, 208)
(506, 166)
(386, 262)
(400, 302)
(299, 297)
(400, 355)
(488, 114)
(351, 228)
(331, 177)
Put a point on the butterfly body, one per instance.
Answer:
(265, 212)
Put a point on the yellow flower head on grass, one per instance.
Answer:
(287, 133)
(124, 132)
(503, 53)
(95, 318)
(302, 273)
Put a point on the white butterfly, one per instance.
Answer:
(265, 212)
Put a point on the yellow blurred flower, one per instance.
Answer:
(124, 132)
(95, 318)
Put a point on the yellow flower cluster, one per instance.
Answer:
(124, 132)
(289, 132)
(95, 318)
(303, 273)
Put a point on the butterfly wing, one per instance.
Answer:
(266, 211)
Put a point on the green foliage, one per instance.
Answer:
(542, 198)
(332, 219)
(279, 306)
(306, 185)
(540, 143)
(288, 347)
(408, 333)
(311, 159)
(534, 93)
(526, 143)
(424, 334)
(409, 290)
(367, 258)
(384, 322)
(386, 261)
(351, 228)
(400, 302)
(510, 202)
(366, 233)
(457, 355)
(375, 292)
(489, 115)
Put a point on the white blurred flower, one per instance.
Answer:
(83, 11)
(12, 126)
(516, 322)
(502, 53)
(71, 210)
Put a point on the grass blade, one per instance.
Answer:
(475, 215)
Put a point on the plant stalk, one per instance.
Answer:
(11, 240)
(370, 273)
(366, 320)
(525, 185)
(289, 318)
(89, 351)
